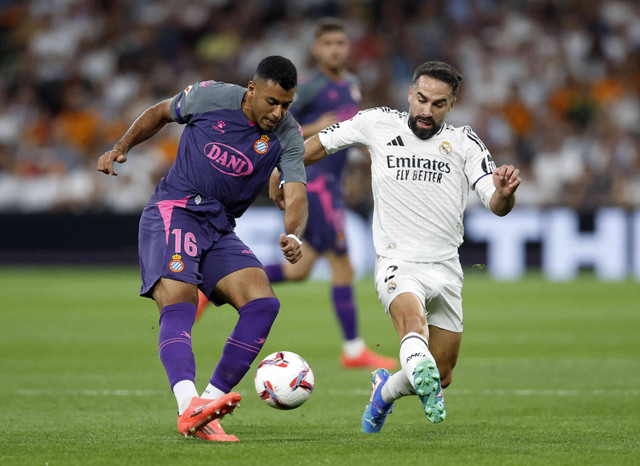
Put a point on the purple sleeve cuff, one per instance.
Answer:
(473, 186)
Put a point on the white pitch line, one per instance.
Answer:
(41, 392)
(340, 392)
(547, 392)
(501, 392)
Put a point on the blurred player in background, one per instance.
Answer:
(422, 170)
(329, 95)
(233, 139)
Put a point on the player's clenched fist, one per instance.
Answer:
(105, 162)
(506, 179)
(290, 248)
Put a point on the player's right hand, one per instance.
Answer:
(290, 248)
(105, 162)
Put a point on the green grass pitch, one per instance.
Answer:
(549, 373)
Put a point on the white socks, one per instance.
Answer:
(396, 387)
(413, 349)
(211, 393)
(184, 391)
(353, 348)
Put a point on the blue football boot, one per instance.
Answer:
(377, 410)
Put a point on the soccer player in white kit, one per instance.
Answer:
(422, 169)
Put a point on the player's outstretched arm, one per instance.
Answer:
(296, 213)
(314, 151)
(506, 181)
(146, 125)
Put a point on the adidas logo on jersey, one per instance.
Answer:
(396, 142)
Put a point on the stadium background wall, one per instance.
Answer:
(560, 242)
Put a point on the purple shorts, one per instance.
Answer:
(182, 245)
(325, 227)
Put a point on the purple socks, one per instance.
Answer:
(345, 310)
(240, 350)
(174, 342)
(245, 342)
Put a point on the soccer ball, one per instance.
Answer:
(284, 380)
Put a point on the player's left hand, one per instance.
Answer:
(506, 180)
(290, 248)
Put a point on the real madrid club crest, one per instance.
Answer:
(391, 287)
(445, 148)
(261, 145)
(176, 265)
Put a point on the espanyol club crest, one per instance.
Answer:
(445, 148)
(261, 145)
(176, 265)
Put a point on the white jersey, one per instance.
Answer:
(420, 187)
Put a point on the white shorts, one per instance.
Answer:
(438, 285)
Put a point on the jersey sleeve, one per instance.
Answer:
(479, 166)
(204, 97)
(349, 132)
(291, 165)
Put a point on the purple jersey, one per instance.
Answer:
(223, 159)
(186, 229)
(319, 95)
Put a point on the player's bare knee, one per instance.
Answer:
(298, 276)
(296, 273)
(343, 275)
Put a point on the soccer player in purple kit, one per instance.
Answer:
(329, 95)
(233, 139)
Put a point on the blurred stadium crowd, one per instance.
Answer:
(552, 87)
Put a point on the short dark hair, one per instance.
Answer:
(440, 71)
(279, 70)
(328, 25)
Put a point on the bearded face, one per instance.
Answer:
(423, 127)
(429, 102)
